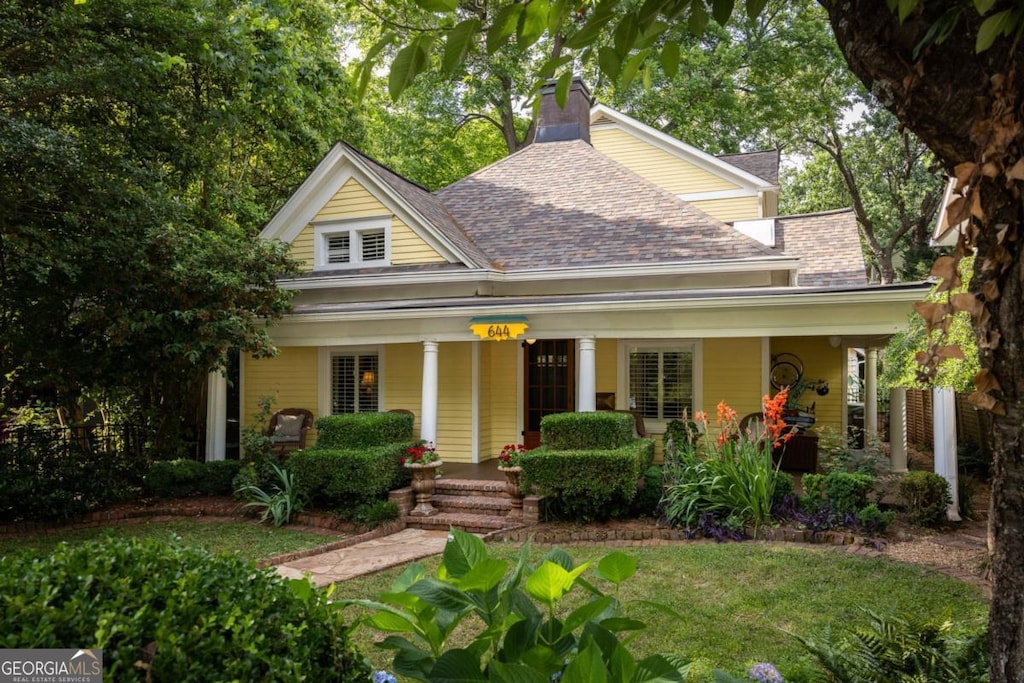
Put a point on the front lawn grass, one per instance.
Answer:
(736, 600)
(246, 539)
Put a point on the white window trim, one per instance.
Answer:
(622, 385)
(323, 373)
(354, 229)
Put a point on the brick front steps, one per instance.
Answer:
(470, 505)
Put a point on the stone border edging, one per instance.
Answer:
(587, 535)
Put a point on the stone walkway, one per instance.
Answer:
(366, 557)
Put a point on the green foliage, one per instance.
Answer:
(846, 492)
(343, 479)
(903, 648)
(50, 478)
(738, 480)
(586, 431)
(901, 367)
(200, 616)
(375, 513)
(363, 430)
(682, 433)
(588, 485)
(257, 444)
(142, 147)
(874, 519)
(527, 632)
(183, 478)
(282, 503)
(648, 497)
(927, 496)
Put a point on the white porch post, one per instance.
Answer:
(898, 429)
(588, 376)
(944, 432)
(216, 416)
(871, 396)
(428, 400)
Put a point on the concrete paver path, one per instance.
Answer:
(370, 556)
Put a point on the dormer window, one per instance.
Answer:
(352, 244)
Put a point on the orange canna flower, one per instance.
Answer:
(700, 416)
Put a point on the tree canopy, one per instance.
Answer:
(142, 145)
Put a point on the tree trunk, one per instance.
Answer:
(945, 95)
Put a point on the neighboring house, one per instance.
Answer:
(605, 265)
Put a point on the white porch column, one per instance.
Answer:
(944, 432)
(216, 416)
(588, 376)
(898, 429)
(428, 400)
(871, 396)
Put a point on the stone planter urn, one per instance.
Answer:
(514, 490)
(423, 487)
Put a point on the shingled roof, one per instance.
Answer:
(764, 165)
(828, 246)
(561, 204)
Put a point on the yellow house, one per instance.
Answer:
(606, 265)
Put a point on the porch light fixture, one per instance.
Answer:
(499, 327)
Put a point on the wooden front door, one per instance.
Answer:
(549, 385)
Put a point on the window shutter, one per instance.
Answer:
(374, 245)
(343, 389)
(643, 382)
(338, 248)
(369, 380)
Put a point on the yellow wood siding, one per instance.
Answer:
(732, 373)
(499, 401)
(771, 204)
(486, 384)
(606, 357)
(455, 401)
(351, 201)
(355, 201)
(290, 377)
(656, 165)
(735, 209)
(408, 247)
(402, 379)
(821, 361)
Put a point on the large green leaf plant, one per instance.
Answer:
(527, 636)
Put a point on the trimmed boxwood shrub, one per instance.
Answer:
(183, 478)
(334, 478)
(586, 431)
(186, 614)
(588, 485)
(928, 497)
(363, 430)
(846, 492)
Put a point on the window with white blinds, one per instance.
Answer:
(661, 382)
(352, 244)
(355, 382)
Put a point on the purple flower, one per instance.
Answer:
(765, 673)
(384, 677)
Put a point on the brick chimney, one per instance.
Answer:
(573, 122)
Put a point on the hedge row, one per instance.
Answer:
(330, 478)
(590, 484)
(58, 481)
(586, 431)
(183, 478)
(363, 430)
(163, 612)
